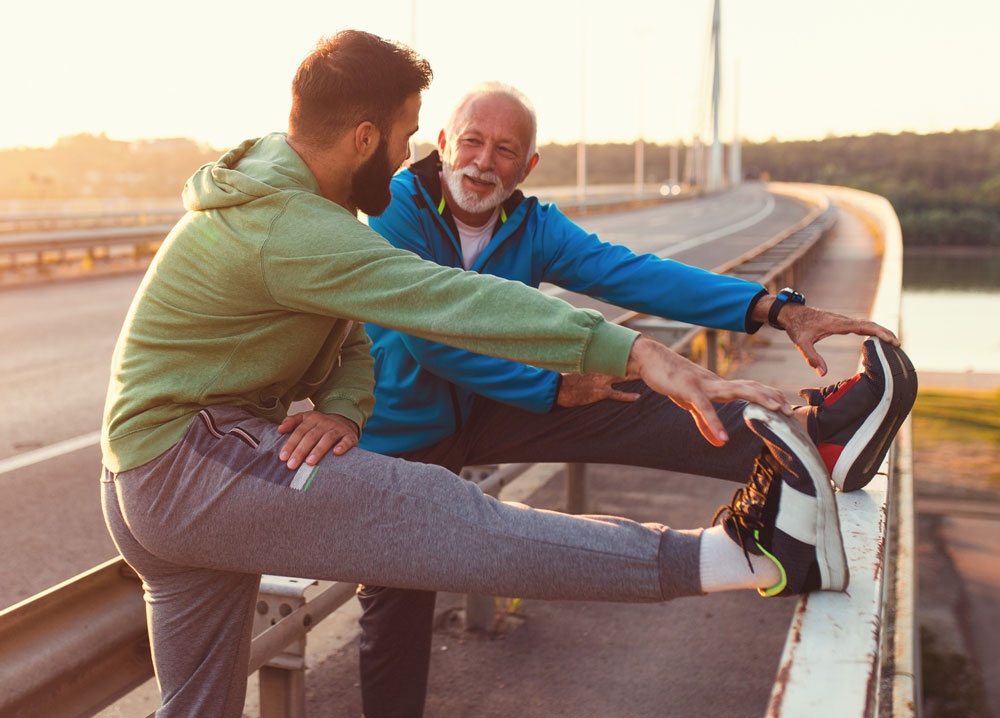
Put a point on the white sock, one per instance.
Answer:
(724, 567)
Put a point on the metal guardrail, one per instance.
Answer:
(82, 644)
(41, 252)
(38, 244)
(60, 240)
(75, 648)
(75, 219)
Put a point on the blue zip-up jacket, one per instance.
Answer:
(424, 390)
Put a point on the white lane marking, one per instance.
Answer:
(722, 231)
(768, 207)
(49, 452)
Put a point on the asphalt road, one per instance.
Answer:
(57, 340)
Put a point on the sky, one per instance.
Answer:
(220, 72)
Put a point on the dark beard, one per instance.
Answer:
(370, 184)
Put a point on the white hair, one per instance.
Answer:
(496, 88)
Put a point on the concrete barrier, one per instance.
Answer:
(863, 642)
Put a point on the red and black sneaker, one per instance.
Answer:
(855, 420)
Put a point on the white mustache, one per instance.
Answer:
(470, 171)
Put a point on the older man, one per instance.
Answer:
(460, 207)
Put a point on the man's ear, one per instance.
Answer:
(442, 142)
(529, 166)
(366, 139)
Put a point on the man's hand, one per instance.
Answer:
(314, 434)
(693, 388)
(583, 389)
(807, 325)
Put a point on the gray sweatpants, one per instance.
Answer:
(203, 521)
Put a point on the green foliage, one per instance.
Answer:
(943, 226)
(945, 187)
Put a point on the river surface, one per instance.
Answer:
(951, 310)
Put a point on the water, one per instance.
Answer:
(951, 310)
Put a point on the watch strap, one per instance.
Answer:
(783, 297)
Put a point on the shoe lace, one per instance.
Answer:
(747, 505)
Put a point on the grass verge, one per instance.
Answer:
(956, 440)
(957, 415)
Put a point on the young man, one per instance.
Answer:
(254, 301)
(460, 207)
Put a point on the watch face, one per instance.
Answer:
(790, 295)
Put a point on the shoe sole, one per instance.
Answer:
(864, 453)
(829, 546)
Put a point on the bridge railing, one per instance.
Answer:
(81, 645)
(862, 642)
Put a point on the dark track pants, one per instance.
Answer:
(651, 432)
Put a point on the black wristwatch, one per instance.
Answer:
(785, 295)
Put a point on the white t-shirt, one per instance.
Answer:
(475, 239)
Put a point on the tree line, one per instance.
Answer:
(95, 166)
(945, 187)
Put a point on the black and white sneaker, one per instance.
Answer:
(854, 421)
(787, 510)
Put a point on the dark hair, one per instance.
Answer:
(351, 78)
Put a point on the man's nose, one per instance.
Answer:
(484, 158)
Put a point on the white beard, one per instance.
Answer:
(468, 200)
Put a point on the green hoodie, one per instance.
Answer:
(256, 299)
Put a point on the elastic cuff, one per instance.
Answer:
(555, 398)
(609, 349)
(751, 326)
(345, 408)
(679, 558)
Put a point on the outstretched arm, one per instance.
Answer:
(693, 388)
(807, 325)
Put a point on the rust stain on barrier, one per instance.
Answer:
(784, 672)
(880, 550)
(870, 688)
(871, 685)
(879, 565)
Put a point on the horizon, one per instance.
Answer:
(743, 140)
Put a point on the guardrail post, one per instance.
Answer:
(712, 350)
(479, 612)
(283, 678)
(282, 691)
(479, 609)
(576, 488)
